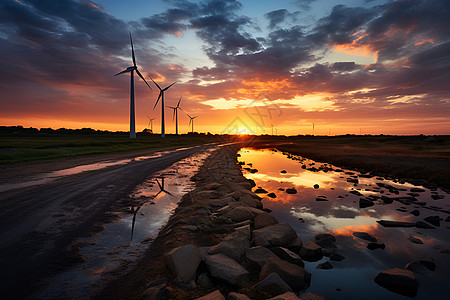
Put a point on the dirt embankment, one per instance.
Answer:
(219, 219)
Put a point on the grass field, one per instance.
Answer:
(32, 148)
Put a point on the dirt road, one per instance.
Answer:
(39, 223)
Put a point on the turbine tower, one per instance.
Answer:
(161, 95)
(175, 115)
(272, 128)
(150, 122)
(313, 127)
(131, 71)
(192, 121)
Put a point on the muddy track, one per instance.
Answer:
(38, 224)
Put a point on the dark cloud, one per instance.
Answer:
(276, 16)
(304, 4)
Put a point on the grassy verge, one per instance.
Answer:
(34, 148)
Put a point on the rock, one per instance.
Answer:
(285, 296)
(156, 291)
(414, 239)
(221, 202)
(250, 201)
(415, 212)
(216, 295)
(374, 246)
(311, 296)
(273, 285)
(291, 191)
(311, 251)
(398, 281)
(295, 245)
(423, 225)
(227, 269)
(283, 171)
(204, 280)
(260, 191)
(271, 195)
(258, 256)
(295, 276)
(433, 220)
(363, 203)
(243, 213)
(325, 266)
(288, 256)
(336, 257)
(353, 180)
(260, 241)
(242, 231)
(234, 247)
(321, 198)
(421, 266)
(416, 190)
(429, 264)
(183, 261)
(237, 296)
(356, 193)
(364, 236)
(316, 186)
(386, 223)
(277, 235)
(325, 240)
(263, 220)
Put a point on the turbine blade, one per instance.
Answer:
(124, 71)
(178, 105)
(140, 75)
(148, 117)
(189, 116)
(169, 86)
(190, 120)
(174, 110)
(156, 83)
(171, 107)
(132, 51)
(157, 100)
(194, 117)
(167, 192)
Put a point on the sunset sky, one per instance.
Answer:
(351, 66)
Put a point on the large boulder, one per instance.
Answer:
(237, 296)
(311, 296)
(227, 269)
(325, 240)
(183, 261)
(295, 276)
(216, 295)
(364, 236)
(295, 245)
(311, 251)
(421, 266)
(233, 247)
(258, 256)
(272, 285)
(288, 256)
(221, 202)
(263, 220)
(243, 213)
(398, 281)
(285, 296)
(277, 235)
(250, 201)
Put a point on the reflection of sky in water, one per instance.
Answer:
(341, 216)
(107, 250)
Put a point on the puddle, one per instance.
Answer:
(341, 215)
(48, 177)
(123, 242)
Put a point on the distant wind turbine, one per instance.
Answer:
(313, 127)
(150, 122)
(131, 70)
(192, 121)
(272, 128)
(161, 95)
(175, 114)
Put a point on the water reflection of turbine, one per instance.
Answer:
(161, 187)
(134, 220)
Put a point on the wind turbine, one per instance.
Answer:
(161, 95)
(192, 121)
(313, 127)
(150, 122)
(175, 114)
(131, 71)
(272, 128)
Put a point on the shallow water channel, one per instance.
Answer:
(334, 207)
(122, 242)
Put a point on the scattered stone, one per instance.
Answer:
(237, 296)
(414, 239)
(316, 186)
(157, 290)
(271, 195)
(363, 203)
(263, 220)
(216, 295)
(227, 269)
(242, 213)
(283, 172)
(288, 256)
(336, 257)
(421, 266)
(325, 240)
(415, 212)
(285, 296)
(353, 180)
(398, 281)
(273, 285)
(258, 256)
(386, 223)
(437, 197)
(260, 191)
(277, 235)
(311, 251)
(386, 199)
(416, 190)
(295, 276)
(233, 247)
(423, 225)
(204, 280)
(311, 296)
(429, 264)
(325, 266)
(433, 220)
(291, 191)
(280, 189)
(356, 193)
(183, 261)
(374, 246)
(364, 236)
(321, 198)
